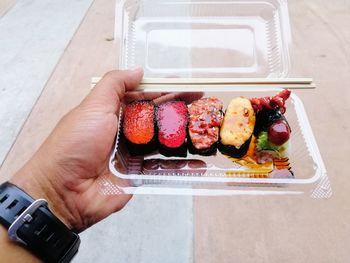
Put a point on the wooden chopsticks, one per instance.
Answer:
(290, 83)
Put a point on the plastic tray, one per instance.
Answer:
(219, 173)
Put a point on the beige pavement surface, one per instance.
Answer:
(6, 5)
(239, 229)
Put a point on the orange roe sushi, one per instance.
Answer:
(139, 127)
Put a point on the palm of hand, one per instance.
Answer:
(80, 146)
(83, 142)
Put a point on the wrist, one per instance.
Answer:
(34, 179)
(11, 252)
(34, 226)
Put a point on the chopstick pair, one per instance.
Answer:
(290, 83)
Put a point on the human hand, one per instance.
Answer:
(68, 167)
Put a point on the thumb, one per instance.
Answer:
(112, 87)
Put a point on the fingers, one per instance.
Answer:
(187, 97)
(120, 81)
(137, 95)
(160, 97)
(111, 88)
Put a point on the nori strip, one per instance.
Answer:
(233, 151)
(205, 152)
(173, 152)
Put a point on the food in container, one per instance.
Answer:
(237, 141)
(252, 171)
(261, 116)
(204, 124)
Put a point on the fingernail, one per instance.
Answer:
(137, 71)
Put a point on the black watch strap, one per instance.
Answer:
(31, 223)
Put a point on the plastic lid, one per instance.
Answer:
(205, 39)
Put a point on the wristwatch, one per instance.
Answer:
(31, 223)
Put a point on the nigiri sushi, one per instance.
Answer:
(237, 127)
(204, 123)
(172, 120)
(139, 127)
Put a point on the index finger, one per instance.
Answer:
(187, 97)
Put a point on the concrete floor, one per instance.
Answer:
(149, 229)
(33, 37)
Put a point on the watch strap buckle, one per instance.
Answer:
(25, 217)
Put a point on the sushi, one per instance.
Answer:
(172, 120)
(139, 127)
(237, 127)
(205, 117)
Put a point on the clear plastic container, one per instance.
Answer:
(211, 39)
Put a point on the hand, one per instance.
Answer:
(68, 168)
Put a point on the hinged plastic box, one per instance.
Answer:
(211, 47)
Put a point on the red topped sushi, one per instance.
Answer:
(172, 119)
(139, 126)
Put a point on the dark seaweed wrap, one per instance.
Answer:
(205, 152)
(233, 151)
